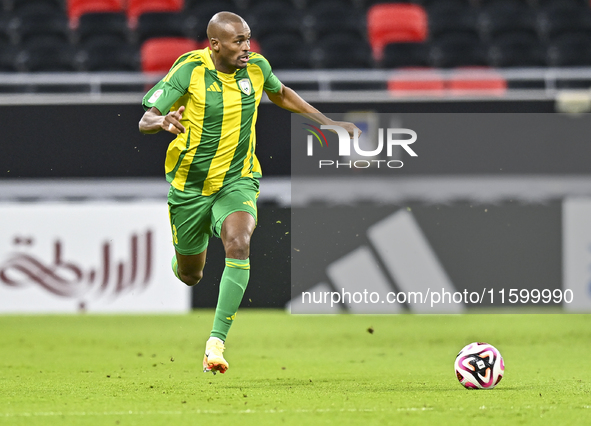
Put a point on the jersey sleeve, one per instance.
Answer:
(172, 87)
(272, 83)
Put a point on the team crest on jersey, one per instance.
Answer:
(245, 86)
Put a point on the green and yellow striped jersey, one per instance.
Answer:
(220, 115)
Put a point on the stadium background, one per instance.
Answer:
(73, 75)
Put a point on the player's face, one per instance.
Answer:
(234, 46)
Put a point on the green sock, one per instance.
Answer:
(232, 286)
(175, 267)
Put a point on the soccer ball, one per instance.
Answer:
(479, 366)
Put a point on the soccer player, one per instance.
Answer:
(209, 101)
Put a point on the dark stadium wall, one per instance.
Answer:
(88, 141)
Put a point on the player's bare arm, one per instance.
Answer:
(153, 121)
(288, 99)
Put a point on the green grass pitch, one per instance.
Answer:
(292, 370)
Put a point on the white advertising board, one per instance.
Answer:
(95, 257)
(576, 248)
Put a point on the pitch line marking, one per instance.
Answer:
(144, 413)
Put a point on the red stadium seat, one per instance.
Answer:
(158, 54)
(77, 8)
(395, 22)
(136, 7)
(417, 82)
(477, 81)
(254, 46)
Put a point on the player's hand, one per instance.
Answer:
(172, 121)
(351, 128)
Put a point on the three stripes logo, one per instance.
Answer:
(398, 258)
(249, 203)
(214, 87)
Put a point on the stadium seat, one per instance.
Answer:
(570, 51)
(270, 18)
(108, 55)
(517, 50)
(30, 23)
(445, 19)
(47, 56)
(502, 18)
(486, 4)
(337, 51)
(457, 51)
(333, 17)
(562, 3)
(102, 24)
(137, 7)
(160, 24)
(391, 22)
(556, 21)
(158, 54)
(77, 8)
(8, 55)
(54, 5)
(417, 82)
(257, 3)
(427, 4)
(254, 45)
(476, 81)
(285, 51)
(198, 13)
(6, 31)
(403, 55)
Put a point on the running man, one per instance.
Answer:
(209, 101)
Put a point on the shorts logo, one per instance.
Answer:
(245, 86)
(249, 203)
(155, 95)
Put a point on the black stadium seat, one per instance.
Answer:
(198, 13)
(286, 51)
(271, 18)
(562, 3)
(107, 55)
(333, 17)
(556, 21)
(54, 5)
(517, 50)
(45, 56)
(8, 55)
(570, 51)
(101, 24)
(402, 55)
(428, 4)
(160, 24)
(338, 51)
(458, 51)
(504, 17)
(446, 19)
(30, 23)
(6, 33)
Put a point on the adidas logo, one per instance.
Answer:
(398, 253)
(249, 203)
(214, 87)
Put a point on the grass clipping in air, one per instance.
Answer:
(284, 369)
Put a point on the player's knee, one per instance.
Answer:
(192, 278)
(238, 247)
